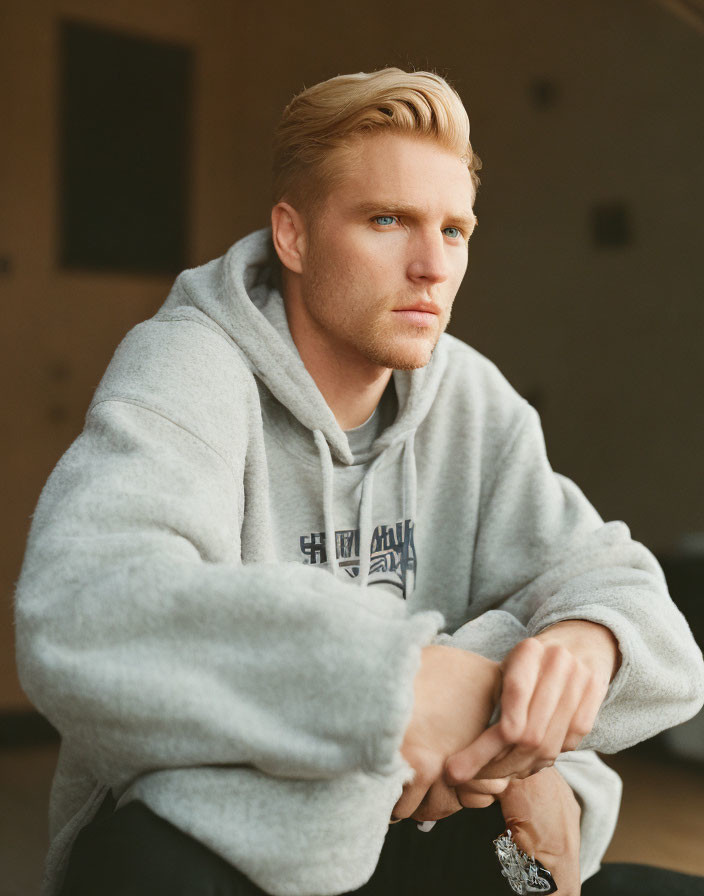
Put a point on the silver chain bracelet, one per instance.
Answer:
(523, 873)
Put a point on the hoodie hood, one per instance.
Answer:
(232, 292)
(241, 293)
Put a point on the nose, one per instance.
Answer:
(429, 262)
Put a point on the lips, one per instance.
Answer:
(421, 318)
(425, 307)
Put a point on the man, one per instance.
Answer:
(273, 591)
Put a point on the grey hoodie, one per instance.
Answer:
(184, 622)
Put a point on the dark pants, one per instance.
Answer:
(133, 852)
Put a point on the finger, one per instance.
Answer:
(558, 666)
(480, 794)
(540, 765)
(426, 770)
(561, 724)
(439, 802)
(572, 741)
(517, 763)
(409, 800)
(488, 772)
(589, 707)
(462, 766)
(502, 753)
(524, 760)
(485, 785)
(520, 675)
(475, 800)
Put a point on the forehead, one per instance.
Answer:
(403, 170)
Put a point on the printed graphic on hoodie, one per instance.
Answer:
(392, 552)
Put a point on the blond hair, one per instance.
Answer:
(323, 122)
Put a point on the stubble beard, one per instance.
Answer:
(378, 340)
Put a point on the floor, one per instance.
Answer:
(662, 817)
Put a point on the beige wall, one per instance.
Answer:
(610, 340)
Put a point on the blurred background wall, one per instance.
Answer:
(585, 283)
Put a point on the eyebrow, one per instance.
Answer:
(404, 208)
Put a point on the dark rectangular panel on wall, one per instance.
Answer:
(125, 116)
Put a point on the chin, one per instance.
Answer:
(409, 364)
(400, 358)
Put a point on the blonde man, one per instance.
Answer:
(307, 570)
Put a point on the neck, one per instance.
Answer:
(350, 384)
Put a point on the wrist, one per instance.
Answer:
(592, 643)
(444, 659)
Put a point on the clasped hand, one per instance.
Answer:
(550, 687)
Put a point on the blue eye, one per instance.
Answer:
(386, 220)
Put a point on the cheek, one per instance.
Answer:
(351, 261)
(377, 253)
(366, 273)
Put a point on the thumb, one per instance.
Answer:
(491, 786)
(463, 766)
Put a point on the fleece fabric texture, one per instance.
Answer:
(185, 623)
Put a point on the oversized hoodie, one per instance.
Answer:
(222, 607)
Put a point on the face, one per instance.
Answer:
(391, 237)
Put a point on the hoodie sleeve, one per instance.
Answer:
(544, 555)
(148, 645)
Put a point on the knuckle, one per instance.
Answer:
(453, 773)
(511, 730)
(531, 646)
(580, 729)
(560, 656)
(530, 740)
(583, 669)
(524, 655)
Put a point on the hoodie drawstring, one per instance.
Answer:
(365, 521)
(410, 498)
(410, 481)
(328, 515)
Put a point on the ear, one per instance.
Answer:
(289, 235)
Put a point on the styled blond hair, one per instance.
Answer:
(324, 121)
